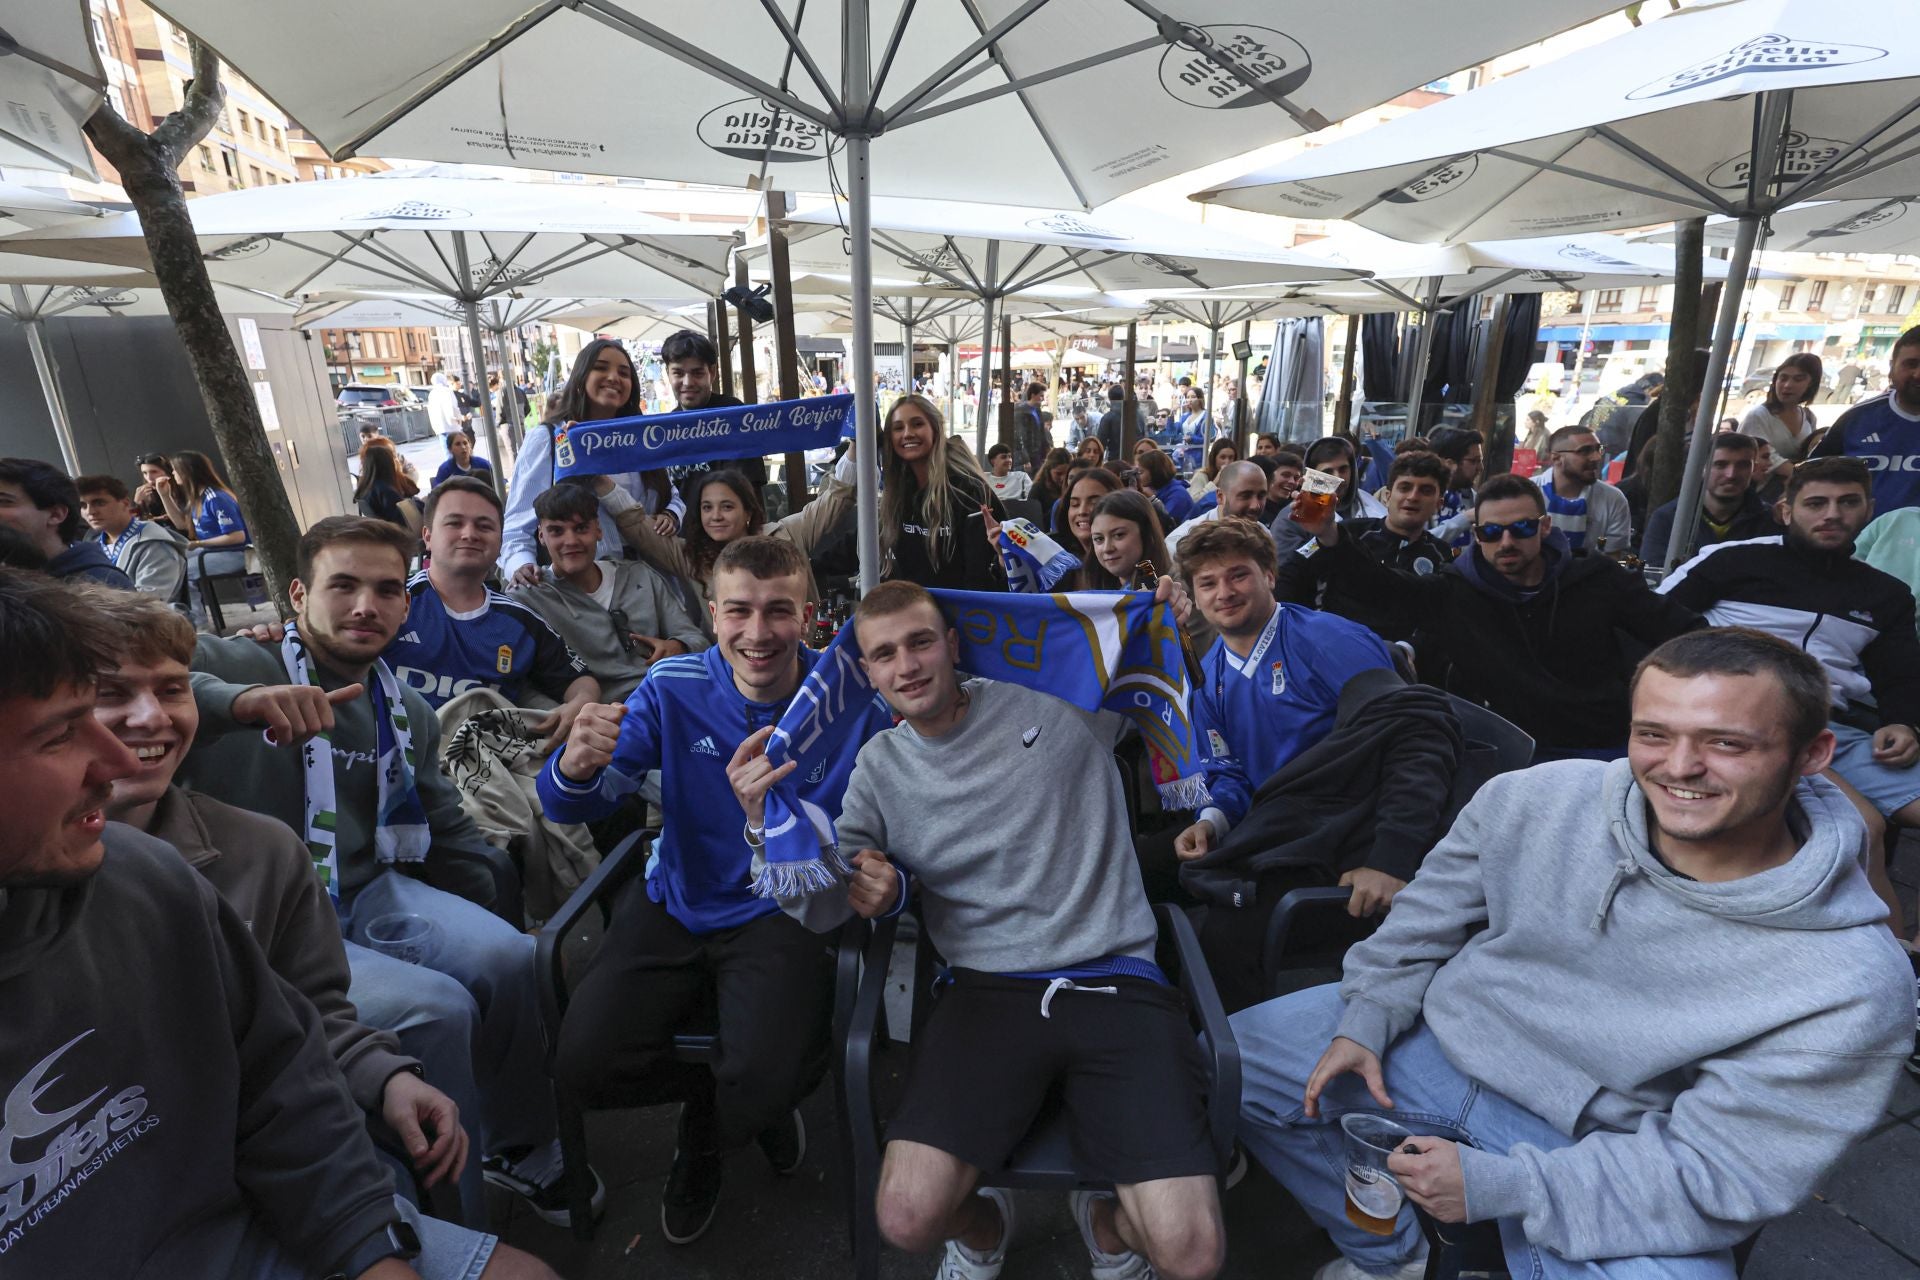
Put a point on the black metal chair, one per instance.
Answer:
(1044, 1158)
(209, 584)
(626, 861)
(1310, 928)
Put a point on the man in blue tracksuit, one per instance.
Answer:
(692, 946)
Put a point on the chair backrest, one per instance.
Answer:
(1025, 509)
(1494, 745)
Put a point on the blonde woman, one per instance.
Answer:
(931, 526)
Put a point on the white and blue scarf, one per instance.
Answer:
(1100, 650)
(615, 446)
(1035, 563)
(119, 544)
(400, 833)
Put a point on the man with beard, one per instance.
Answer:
(1804, 586)
(1583, 1026)
(385, 825)
(1730, 507)
(693, 375)
(1884, 432)
(1590, 513)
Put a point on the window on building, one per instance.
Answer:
(1786, 296)
(1650, 298)
(230, 161)
(1609, 300)
(1817, 296)
(253, 175)
(1897, 304)
(206, 157)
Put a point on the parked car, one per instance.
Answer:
(374, 395)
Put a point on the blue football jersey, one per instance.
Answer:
(501, 645)
(1882, 435)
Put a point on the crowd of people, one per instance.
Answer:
(1632, 1001)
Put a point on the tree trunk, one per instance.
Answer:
(148, 165)
(1684, 368)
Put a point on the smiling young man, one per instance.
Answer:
(692, 366)
(460, 634)
(1587, 1024)
(692, 945)
(1805, 586)
(618, 617)
(173, 1108)
(1416, 483)
(262, 869)
(1525, 626)
(384, 822)
(1050, 943)
(142, 549)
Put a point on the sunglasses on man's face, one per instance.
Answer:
(1584, 451)
(1520, 529)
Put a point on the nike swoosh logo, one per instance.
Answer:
(1030, 737)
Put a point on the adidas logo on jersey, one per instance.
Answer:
(1870, 438)
(705, 747)
(412, 637)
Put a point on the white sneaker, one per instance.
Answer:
(1414, 1268)
(1106, 1266)
(961, 1263)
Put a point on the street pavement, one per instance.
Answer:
(1861, 1223)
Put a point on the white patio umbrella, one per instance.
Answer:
(1216, 312)
(994, 252)
(1018, 100)
(467, 240)
(1429, 278)
(1741, 109)
(51, 82)
(1836, 226)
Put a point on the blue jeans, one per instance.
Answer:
(493, 962)
(437, 1022)
(1281, 1040)
(447, 1252)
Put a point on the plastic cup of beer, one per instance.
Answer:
(1318, 492)
(1373, 1197)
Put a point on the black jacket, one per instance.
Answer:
(193, 1089)
(1390, 619)
(1031, 442)
(1553, 660)
(1857, 620)
(685, 478)
(968, 562)
(1373, 793)
(1754, 519)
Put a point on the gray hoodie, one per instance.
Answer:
(1714, 1048)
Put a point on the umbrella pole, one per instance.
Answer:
(1680, 546)
(1343, 412)
(49, 380)
(986, 345)
(1243, 423)
(906, 352)
(866, 438)
(1422, 355)
(1213, 371)
(786, 341)
(472, 310)
(953, 381)
(1005, 417)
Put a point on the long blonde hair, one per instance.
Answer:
(936, 502)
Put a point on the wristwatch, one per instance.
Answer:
(395, 1240)
(756, 836)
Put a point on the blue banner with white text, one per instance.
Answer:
(615, 446)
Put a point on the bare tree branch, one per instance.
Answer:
(182, 128)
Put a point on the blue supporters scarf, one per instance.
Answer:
(1035, 562)
(615, 446)
(1100, 650)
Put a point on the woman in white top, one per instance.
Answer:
(1783, 418)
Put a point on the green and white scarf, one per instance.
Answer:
(401, 833)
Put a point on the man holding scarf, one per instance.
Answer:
(693, 944)
(367, 794)
(1051, 946)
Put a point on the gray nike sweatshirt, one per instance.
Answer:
(1714, 1048)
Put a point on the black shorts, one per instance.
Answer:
(1125, 1065)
